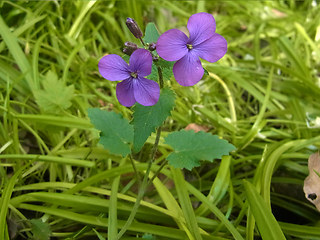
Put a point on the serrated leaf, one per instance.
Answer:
(126, 58)
(40, 230)
(147, 119)
(151, 34)
(55, 96)
(190, 147)
(154, 73)
(116, 132)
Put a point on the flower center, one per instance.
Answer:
(134, 74)
(189, 46)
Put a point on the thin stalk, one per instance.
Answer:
(160, 77)
(145, 182)
(163, 164)
(135, 170)
(142, 42)
(142, 188)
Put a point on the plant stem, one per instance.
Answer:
(135, 170)
(145, 182)
(160, 77)
(143, 187)
(163, 164)
(142, 42)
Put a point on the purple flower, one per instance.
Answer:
(174, 45)
(134, 87)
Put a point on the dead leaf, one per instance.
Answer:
(311, 186)
(278, 14)
(197, 128)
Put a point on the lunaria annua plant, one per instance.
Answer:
(154, 102)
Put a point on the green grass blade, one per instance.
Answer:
(4, 203)
(235, 233)
(185, 202)
(13, 46)
(267, 224)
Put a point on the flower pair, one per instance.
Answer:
(172, 45)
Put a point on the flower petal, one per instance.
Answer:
(172, 45)
(113, 68)
(141, 62)
(188, 70)
(125, 91)
(146, 92)
(212, 49)
(201, 26)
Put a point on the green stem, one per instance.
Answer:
(142, 188)
(144, 184)
(142, 42)
(135, 170)
(164, 163)
(160, 77)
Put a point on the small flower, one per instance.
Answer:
(134, 87)
(174, 45)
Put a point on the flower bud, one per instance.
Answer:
(131, 45)
(134, 28)
(152, 46)
(155, 58)
(129, 48)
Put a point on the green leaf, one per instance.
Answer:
(55, 96)
(40, 230)
(166, 67)
(267, 224)
(147, 119)
(116, 132)
(190, 147)
(151, 34)
(154, 73)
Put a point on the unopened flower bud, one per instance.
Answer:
(130, 47)
(134, 28)
(155, 58)
(152, 46)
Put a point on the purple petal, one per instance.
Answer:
(188, 70)
(201, 26)
(125, 91)
(141, 62)
(172, 45)
(212, 49)
(146, 92)
(112, 67)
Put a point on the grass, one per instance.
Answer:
(263, 96)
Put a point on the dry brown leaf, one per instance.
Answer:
(278, 14)
(311, 186)
(195, 127)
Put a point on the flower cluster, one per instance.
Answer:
(173, 45)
